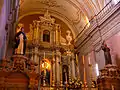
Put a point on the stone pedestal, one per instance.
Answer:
(18, 74)
(109, 78)
(19, 62)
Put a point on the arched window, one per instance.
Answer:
(116, 1)
(46, 36)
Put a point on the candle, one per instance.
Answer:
(76, 59)
(97, 70)
(89, 60)
(84, 75)
(112, 87)
(83, 59)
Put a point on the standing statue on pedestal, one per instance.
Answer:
(20, 40)
(106, 53)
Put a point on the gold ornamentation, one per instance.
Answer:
(47, 18)
(29, 34)
(50, 3)
(78, 19)
(20, 25)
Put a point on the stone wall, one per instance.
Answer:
(8, 17)
(3, 17)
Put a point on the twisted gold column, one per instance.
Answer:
(61, 84)
(53, 71)
(73, 67)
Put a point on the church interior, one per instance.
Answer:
(59, 44)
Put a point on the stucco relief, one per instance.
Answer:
(50, 3)
(77, 14)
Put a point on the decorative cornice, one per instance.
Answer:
(105, 30)
(50, 3)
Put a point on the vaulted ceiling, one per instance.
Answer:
(75, 13)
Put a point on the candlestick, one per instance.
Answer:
(84, 75)
(83, 58)
(112, 87)
(66, 76)
(89, 60)
(44, 55)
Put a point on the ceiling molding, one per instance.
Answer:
(71, 12)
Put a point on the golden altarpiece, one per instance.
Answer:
(53, 53)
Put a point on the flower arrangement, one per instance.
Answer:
(75, 83)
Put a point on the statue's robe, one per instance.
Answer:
(107, 54)
(20, 43)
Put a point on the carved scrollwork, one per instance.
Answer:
(47, 18)
(50, 3)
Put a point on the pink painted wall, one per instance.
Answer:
(3, 16)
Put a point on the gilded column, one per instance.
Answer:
(77, 67)
(69, 67)
(59, 34)
(54, 36)
(85, 81)
(53, 70)
(73, 67)
(61, 81)
(32, 54)
(57, 67)
(69, 64)
(57, 28)
(36, 57)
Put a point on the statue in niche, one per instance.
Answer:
(30, 33)
(68, 37)
(106, 53)
(62, 40)
(20, 40)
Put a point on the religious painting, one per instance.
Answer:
(45, 72)
(46, 36)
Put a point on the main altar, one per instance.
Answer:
(53, 53)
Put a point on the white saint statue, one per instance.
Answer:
(20, 41)
(63, 41)
(68, 37)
